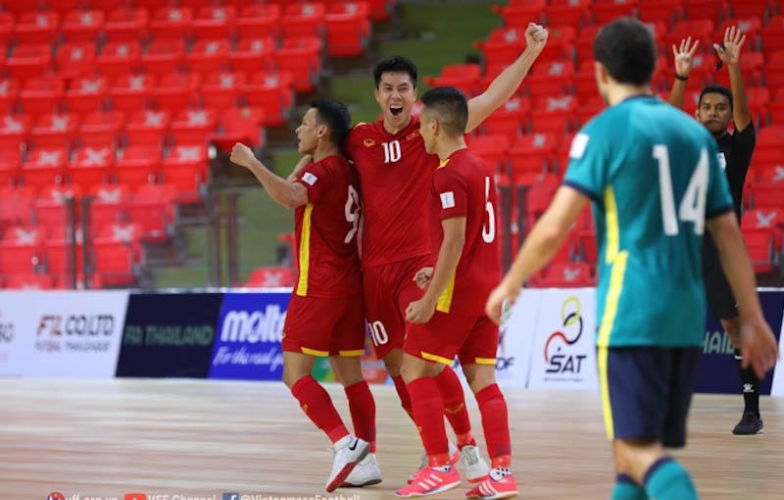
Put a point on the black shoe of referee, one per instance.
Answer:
(749, 424)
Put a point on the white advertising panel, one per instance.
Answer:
(64, 334)
(563, 351)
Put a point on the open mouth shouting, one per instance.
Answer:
(396, 110)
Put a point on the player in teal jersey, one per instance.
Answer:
(655, 183)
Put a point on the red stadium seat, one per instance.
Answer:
(119, 59)
(239, 125)
(55, 131)
(172, 23)
(28, 61)
(147, 128)
(177, 91)
(163, 57)
(91, 167)
(215, 22)
(126, 24)
(252, 55)
(714, 10)
(21, 250)
(37, 27)
(222, 90)
(773, 35)
(303, 20)
(510, 119)
(193, 126)
(208, 56)
(493, 148)
(42, 95)
(301, 58)
(83, 25)
(568, 275)
(605, 11)
(75, 59)
(660, 11)
(272, 93)
(14, 132)
(519, 14)
(572, 13)
(139, 165)
(87, 95)
(101, 129)
(348, 34)
(186, 167)
(531, 153)
(9, 92)
(257, 21)
(271, 277)
(132, 92)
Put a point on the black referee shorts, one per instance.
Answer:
(720, 298)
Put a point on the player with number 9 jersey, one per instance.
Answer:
(328, 263)
(647, 295)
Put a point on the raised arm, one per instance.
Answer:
(729, 53)
(286, 193)
(506, 83)
(757, 341)
(547, 236)
(684, 60)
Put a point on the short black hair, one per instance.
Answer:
(336, 116)
(395, 64)
(627, 49)
(451, 106)
(716, 89)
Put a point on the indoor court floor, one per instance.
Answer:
(198, 439)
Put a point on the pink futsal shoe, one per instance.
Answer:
(429, 481)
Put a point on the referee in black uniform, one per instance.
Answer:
(717, 106)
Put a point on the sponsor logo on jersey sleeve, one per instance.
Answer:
(448, 200)
(579, 144)
(309, 178)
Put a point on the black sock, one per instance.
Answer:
(749, 387)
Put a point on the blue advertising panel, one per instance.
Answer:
(168, 335)
(718, 371)
(248, 337)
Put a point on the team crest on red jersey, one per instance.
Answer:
(412, 135)
(369, 143)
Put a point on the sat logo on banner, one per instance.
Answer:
(564, 353)
(61, 334)
(248, 343)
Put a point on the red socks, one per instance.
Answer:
(317, 405)
(402, 392)
(454, 404)
(495, 422)
(363, 412)
(429, 417)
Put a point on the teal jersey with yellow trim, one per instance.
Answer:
(654, 178)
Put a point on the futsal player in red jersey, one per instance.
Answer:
(449, 320)
(395, 177)
(325, 314)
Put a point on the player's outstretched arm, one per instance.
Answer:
(505, 84)
(547, 236)
(729, 53)
(684, 60)
(757, 341)
(285, 193)
(422, 310)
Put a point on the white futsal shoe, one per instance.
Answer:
(365, 473)
(348, 452)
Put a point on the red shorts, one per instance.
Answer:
(325, 327)
(389, 289)
(473, 339)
